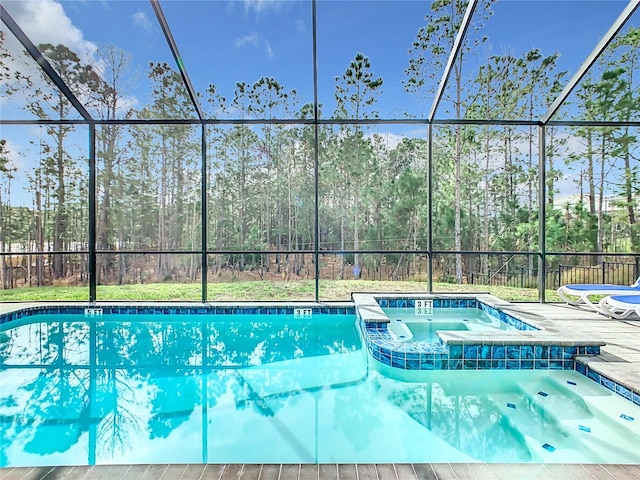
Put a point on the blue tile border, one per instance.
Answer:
(382, 344)
(409, 302)
(170, 310)
(609, 384)
(482, 357)
(527, 354)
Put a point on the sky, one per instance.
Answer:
(223, 42)
(226, 41)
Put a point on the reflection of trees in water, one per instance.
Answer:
(56, 412)
(172, 405)
(118, 380)
(116, 407)
(469, 422)
(259, 343)
(45, 344)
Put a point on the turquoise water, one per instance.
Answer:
(274, 389)
(424, 327)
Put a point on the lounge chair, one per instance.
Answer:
(620, 306)
(584, 290)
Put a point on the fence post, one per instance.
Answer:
(636, 272)
(521, 277)
(604, 264)
(559, 275)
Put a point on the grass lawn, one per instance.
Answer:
(330, 290)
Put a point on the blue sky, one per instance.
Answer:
(225, 41)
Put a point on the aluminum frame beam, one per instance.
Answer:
(155, 4)
(629, 10)
(457, 45)
(26, 42)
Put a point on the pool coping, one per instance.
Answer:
(587, 360)
(370, 311)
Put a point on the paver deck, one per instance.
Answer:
(422, 471)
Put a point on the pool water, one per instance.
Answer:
(427, 331)
(423, 327)
(278, 389)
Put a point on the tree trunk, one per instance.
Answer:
(60, 223)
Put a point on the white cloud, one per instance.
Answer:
(141, 20)
(252, 40)
(45, 21)
(260, 6)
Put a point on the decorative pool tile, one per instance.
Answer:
(513, 351)
(556, 365)
(455, 364)
(595, 376)
(556, 352)
(498, 365)
(470, 364)
(170, 310)
(526, 364)
(484, 364)
(541, 352)
(608, 383)
(513, 364)
(455, 352)
(498, 352)
(526, 352)
(624, 391)
(470, 352)
(541, 364)
(398, 360)
(487, 353)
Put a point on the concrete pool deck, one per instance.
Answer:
(619, 360)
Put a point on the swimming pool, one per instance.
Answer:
(254, 388)
(407, 325)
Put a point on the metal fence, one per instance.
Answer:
(606, 272)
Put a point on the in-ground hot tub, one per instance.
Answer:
(411, 324)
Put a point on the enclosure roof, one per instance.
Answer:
(432, 61)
